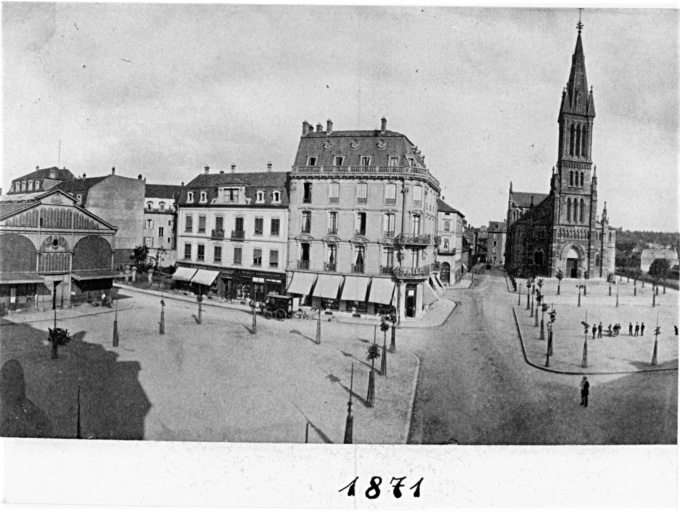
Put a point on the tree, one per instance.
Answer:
(622, 260)
(139, 257)
(659, 270)
(559, 276)
(58, 336)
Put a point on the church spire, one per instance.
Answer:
(576, 99)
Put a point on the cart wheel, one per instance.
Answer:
(280, 314)
(268, 315)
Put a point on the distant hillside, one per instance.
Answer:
(629, 244)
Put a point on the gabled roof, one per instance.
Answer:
(252, 181)
(649, 255)
(524, 199)
(162, 191)
(442, 206)
(62, 174)
(7, 208)
(496, 226)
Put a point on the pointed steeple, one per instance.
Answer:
(576, 100)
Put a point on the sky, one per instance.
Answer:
(165, 90)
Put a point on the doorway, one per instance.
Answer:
(445, 273)
(572, 264)
(411, 300)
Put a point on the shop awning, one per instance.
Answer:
(327, 286)
(355, 288)
(205, 277)
(382, 291)
(87, 275)
(183, 274)
(433, 283)
(20, 277)
(429, 297)
(302, 283)
(436, 278)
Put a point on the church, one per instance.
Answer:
(562, 230)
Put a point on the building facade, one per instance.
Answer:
(450, 250)
(648, 256)
(495, 244)
(233, 227)
(160, 222)
(362, 223)
(561, 230)
(52, 252)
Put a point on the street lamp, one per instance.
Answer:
(617, 294)
(519, 295)
(544, 308)
(657, 331)
(349, 423)
(539, 298)
(586, 327)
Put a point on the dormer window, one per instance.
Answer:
(411, 162)
(161, 206)
(260, 197)
(365, 161)
(79, 198)
(311, 161)
(190, 197)
(339, 160)
(149, 205)
(394, 161)
(23, 186)
(276, 196)
(37, 184)
(204, 197)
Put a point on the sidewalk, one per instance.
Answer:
(80, 311)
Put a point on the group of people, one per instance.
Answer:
(638, 330)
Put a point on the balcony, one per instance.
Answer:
(361, 200)
(303, 264)
(388, 234)
(333, 200)
(365, 170)
(416, 272)
(332, 231)
(217, 234)
(238, 235)
(330, 267)
(357, 269)
(386, 270)
(390, 202)
(417, 203)
(360, 232)
(406, 239)
(449, 251)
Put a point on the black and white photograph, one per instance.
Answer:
(445, 235)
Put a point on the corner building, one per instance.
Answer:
(362, 225)
(562, 230)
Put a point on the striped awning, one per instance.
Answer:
(205, 277)
(355, 288)
(436, 278)
(301, 283)
(382, 291)
(183, 274)
(429, 297)
(327, 286)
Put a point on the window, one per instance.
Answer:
(394, 161)
(311, 161)
(149, 223)
(160, 231)
(332, 223)
(217, 258)
(201, 223)
(331, 257)
(260, 197)
(388, 258)
(190, 197)
(571, 140)
(447, 225)
(569, 210)
(148, 242)
(365, 161)
(388, 225)
(360, 228)
(334, 193)
(307, 193)
(238, 254)
(219, 223)
(338, 160)
(584, 142)
(417, 195)
(575, 214)
(391, 194)
(581, 179)
(257, 257)
(411, 162)
(359, 258)
(362, 193)
(583, 208)
(204, 197)
(446, 244)
(231, 195)
(259, 226)
(415, 225)
(306, 222)
(149, 205)
(201, 252)
(79, 198)
(276, 196)
(273, 259)
(415, 258)
(30, 184)
(275, 227)
(187, 251)
(571, 178)
(161, 206)
(37, 184)
(495, 243)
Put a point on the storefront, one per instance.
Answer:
(21, 292)
(89, 285)
(246, 285)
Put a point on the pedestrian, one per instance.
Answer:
(676, 329)
(599, 330)
(630, 329)
(585, 390)
(609, 330)
(637, 329)
(642, 329)
(594, 330)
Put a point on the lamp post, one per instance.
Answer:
(115, 327)
(161, 324)
(318, 328)
(617, 295)
(349, 423)
(519, 295)
(584, 361)
(253, 308)
(393, 341)
(551, 323)
(384, 327)
(544, 308)
(539, 298)
(528, 292)
(657, 331)
(199, 299)
(533, 293)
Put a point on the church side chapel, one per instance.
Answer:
(561, 230)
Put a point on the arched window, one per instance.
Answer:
(584, 142)
(571, 178)
(582, 210)
(571, 140)
(569, 210)
(581, 178)
(575, 210)
(578, 141)
(597, 260)
(149, 205)
(610, 237)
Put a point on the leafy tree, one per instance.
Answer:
(659, 269)
(139, 257)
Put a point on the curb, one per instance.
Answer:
(6, 322)
(414, 388)
(565, 372)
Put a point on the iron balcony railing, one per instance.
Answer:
(389, 234)
(390, 202)
(333, 200)
(330, 267)
(357, 269)
(361, 200)
(386, 269)
(217, 234)
(406, 239)
(366, 169)
(238, 235)
(303, 264)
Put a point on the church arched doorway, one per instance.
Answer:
(572, 263)
(538, 259)
(445, 273)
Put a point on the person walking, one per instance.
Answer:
(609, 330)
(637, 329)
(642, 329)
(585, 391)
(594, 330)
(599, 330)
(630, 329)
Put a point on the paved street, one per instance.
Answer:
(476, 388)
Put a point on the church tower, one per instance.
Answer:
(574, 186)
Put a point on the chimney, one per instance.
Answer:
(222, 171)
(329, 127)
(53, 173)
(269, 167)
(383, 125)
(206, 170)
(113, 170)
(182, 185)
(139, 177)
(319, 128)
(306, 128)
(37, 167)
(84, 175)
(233, 168)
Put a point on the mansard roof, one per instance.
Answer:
(162, 191)
(62, 174)
(252, 181)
